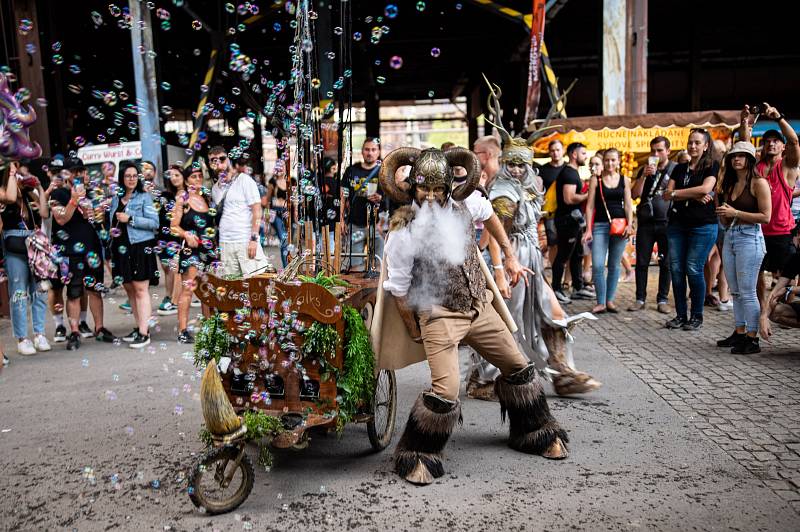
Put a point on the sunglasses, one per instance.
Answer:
(220, 159)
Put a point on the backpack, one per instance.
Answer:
(550, 201)
(41, 256)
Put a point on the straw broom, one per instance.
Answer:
(217, 410)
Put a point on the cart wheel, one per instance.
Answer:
(384, 410)
(221, 480)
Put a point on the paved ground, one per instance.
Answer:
(683, 436)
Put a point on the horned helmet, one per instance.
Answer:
(431, 167)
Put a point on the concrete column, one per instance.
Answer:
(637, 57)
(144, 72)
(614, 56)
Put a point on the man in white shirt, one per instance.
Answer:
(236, 195)
(434, 273)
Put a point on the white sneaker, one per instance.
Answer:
(25, 347)
(40, 343)
(725, 305)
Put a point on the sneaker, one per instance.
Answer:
(141, 340)
(676, 323)
(693, 324)
(104, 335)
(711, 301)
(25, 347)
(732, 340)
(126, 306)
(73, 341)
(166, 308)
(663, 308)
(195, 303)
(725, 305)
(637, 306)
(131, 336)
(85, 331)
(562, 297)
(583, 293)
(40, 343)
(748, 346)
(60, 334)
(185, 337)
(6, 361)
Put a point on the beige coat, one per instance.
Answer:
(393, 346)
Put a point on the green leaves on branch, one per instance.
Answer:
(212, 341)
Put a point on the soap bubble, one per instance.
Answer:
(435, 52)
(396, 62)
(390, 11)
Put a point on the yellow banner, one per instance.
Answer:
(636, 140)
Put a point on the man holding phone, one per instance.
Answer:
(651, 223)
(82, 271)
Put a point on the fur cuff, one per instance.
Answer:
(418, 454)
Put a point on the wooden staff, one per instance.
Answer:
(337, 248)
(325, 255)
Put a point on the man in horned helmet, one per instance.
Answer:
(517, 196)
(439, 285)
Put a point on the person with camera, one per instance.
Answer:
(780, 157)
(82, 269)
(363, 194)
(651, 223)
(25, 207)
(570, 224)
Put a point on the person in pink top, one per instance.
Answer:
(780, 157)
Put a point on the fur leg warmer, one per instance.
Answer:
(418, 456)
(569, 381)
(532, 428)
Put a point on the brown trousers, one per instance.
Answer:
(481, 328)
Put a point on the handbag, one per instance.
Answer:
(617, 226)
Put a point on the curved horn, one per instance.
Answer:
(493, 104)
(393, 161)
(467, 159)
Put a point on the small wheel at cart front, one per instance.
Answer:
(384, 410)
(221, 480)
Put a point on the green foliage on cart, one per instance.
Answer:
(212, 341)
(261, 428)
(325, 281)
(357, 384)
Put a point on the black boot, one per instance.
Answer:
(418, 455)
(532, 429)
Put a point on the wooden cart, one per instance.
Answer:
(275, 379)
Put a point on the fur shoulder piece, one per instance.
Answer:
(402, 217)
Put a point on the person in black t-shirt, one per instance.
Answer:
(569, 223)
(651, 223)
(82, 270)
(609, 198)
(783, 305)
(692, 229)
(549, 172)
(362, 188)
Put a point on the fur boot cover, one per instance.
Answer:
(418, 456)
(532, 429)
(569, 381)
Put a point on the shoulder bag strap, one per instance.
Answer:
(602, 196)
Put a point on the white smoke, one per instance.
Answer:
(442, 236)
